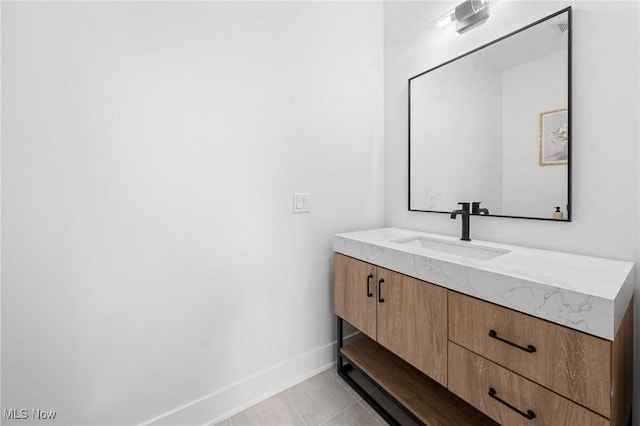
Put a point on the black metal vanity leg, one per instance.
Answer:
(339, 345)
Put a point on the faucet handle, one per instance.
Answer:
(475, 207)
(465, 205)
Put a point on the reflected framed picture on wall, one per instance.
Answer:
(554, 137)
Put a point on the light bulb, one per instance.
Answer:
(445, 19)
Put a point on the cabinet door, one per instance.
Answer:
(412, 322)
(355, 293)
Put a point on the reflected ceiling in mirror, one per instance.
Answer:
(493, 126)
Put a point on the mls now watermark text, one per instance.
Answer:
(24, 414)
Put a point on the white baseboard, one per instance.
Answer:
(248, 391)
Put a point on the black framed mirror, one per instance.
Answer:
(494, 126)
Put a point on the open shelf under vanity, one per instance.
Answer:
(400, 393)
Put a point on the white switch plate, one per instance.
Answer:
(301, 202)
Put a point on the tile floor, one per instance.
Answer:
(323, 400)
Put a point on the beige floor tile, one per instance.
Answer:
(275, 411)
(356, 415)
(319, 398)
(334, 373)
(373, 413)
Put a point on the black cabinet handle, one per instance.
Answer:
(380, 299)
(528, 415)
(369, 278)
(530, 348)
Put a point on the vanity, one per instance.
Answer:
(479, 333)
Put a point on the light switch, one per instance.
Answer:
(301, 203)
(433, 200)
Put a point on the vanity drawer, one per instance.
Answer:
(573, 364)
(475, 379)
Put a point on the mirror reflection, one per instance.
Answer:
(492, 126)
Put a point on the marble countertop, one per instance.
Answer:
(589, 294)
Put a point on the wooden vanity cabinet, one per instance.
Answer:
(569, 377)
(405, 315)
(564, 360)
(489, 364)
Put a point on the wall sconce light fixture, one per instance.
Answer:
(466, 15)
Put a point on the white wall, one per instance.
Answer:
(606, 133)
(150, 257)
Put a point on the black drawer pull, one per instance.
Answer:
(380, 299)
(369, 278)
(530, 348)
(528, 415)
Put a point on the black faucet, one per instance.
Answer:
(465, 220)
(475, 208)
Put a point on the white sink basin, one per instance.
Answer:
(464, 249)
